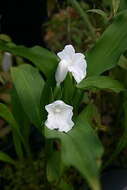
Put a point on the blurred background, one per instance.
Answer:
(47, 22)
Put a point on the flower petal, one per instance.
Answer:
(67, 53)
(68, 123)
(78, 68)
(61, 72)
(58, 104)
(52, 122)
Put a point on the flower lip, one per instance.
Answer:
(67, 53)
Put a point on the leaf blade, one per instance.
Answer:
(45, 60)
(6, 158)
(17, 137)
(108, 49)
(101, 82)
(29, 85)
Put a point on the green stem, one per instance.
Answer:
(85, 18)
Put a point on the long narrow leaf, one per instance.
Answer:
(101, 82)
(108, 49)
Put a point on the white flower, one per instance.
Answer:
(59, 116)
(70, 62)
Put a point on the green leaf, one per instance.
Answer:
(45, 60)
(21, 118)
(5, 158)
(29, 85)
(81, 148)
(123, 5)
(65, 186)
(100, 12)
(17, 137)
(108, 49)
(68, 89)
(2, 80)
(115, 5)
(101, 82)
(5, 37)
(46, 98)
(123, 62)
(54, 166)
(7, 115)
(19, 114)
(84, 16)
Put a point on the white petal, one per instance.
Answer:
(67, 53)
(78, 56)
(79, 60)
(61, 72)
(58, 104)
(68, 123)
(50, 107)
(78, 68)
(52, 122)
(61, 120)
(57, 122)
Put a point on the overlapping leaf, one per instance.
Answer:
(101, 82)
(29, 85)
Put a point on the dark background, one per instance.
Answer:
(22, 20)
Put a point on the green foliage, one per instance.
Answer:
(85, 18)
(101, 13)
(42, 58)
(101, 82)
(29, 85)
(21, 118)
(115, 5)
(5, 158)
(17, 137)
(54, 164)
(123, 5)
(108, 49)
